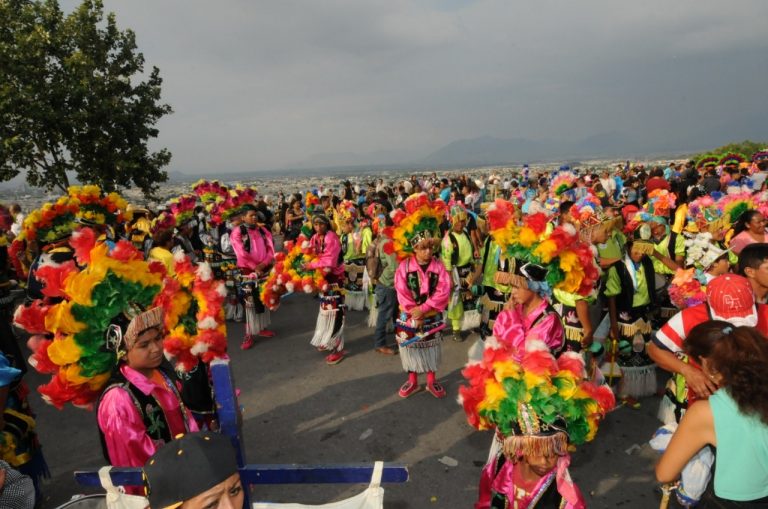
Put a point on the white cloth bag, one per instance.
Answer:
(371, 498)
(117, 498)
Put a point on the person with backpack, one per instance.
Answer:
(255, 251)
(457, 254)
(381, 270)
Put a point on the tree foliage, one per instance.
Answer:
(74, 99)
(745, 148)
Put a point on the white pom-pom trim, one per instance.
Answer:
(221, 289)
(207, 323)
(204, 271)
(179, 256)
(198, 348)
(573, 355)
(533, 345)
(492, 342)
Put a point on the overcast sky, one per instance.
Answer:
(262, 84)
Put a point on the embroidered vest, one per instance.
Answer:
(414, 285)
(149, 408)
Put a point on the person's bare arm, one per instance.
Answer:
(607, 262)
(614, 317)
(582, 312)
(697, 381)
(666, 260)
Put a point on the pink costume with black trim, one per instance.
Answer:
(498, 486)
(261, 249)
(437, 301)
(330, 320)
(328, 250)
(512, 327)
(430, 290)
(125, 434)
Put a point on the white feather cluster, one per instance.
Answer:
(204, 271)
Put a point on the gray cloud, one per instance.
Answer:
(262, 84)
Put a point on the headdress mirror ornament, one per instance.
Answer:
(641, 238)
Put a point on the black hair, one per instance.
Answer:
(752, 256)
(162, 237)
(565, 207)
(696, 192)
(741, 224)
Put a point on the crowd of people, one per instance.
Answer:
(578, 286)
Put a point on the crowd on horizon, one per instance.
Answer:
(578, 286)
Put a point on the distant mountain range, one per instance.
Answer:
(674, 140)
(489, 150)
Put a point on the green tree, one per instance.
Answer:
(745, 148)
(74, 99)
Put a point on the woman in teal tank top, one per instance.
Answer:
(734, 419)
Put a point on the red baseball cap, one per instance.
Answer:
(730, 298)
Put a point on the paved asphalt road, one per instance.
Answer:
(297, 409)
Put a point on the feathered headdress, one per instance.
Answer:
(732, 158)
(51, 222)
(224, 209)
(760, 156)
(707, 161)
(95, 207)
(734, 205)
(457, 212)
(419, 219)
(103, 288)
(566, 263)
(587, 211)
(561, 182)
(210, 191)
(346, 211)
(660, 203)
(311, 200)
(378, 222)
(538, 403)
(588, 214)
(183, 209)
(704, 214)
(701, 251)
(686, 289)
(163, 221)
(501, 214)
